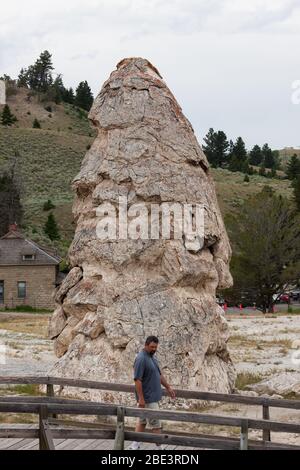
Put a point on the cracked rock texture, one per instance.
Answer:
(120, 291)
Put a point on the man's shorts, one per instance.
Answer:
(153, 423)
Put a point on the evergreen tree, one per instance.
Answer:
(238, 156)
(296, 187)
(293, 167)
(216, 148)
(51, 228)
(255, 156)
(221, 148)
(273, 265)
(209, 147)
(246, 179)
(40, 74)
(36, 124)
(268, 156)
(68, 96)
(48, 205)
(23, 78)
(11, 209)
(84, 97)
(239, 149)
(276, 157)
(7, 118)
(58, 89)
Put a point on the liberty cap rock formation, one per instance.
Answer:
(122, 290)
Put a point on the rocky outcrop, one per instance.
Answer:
(122, 289)
(283, 383)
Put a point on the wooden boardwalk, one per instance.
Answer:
(70, 444)
(52, 431)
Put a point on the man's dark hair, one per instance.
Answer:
(151, 339)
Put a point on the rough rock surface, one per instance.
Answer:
(284, 383)
(120, 291)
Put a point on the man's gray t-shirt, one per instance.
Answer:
(146, 369)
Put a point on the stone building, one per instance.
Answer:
(28, 273)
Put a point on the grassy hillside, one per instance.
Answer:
(50, 158)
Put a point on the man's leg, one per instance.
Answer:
(139, 427)
(155, 424)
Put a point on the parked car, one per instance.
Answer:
(285, 298)
(295, 295)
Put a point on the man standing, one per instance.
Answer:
(148, 380)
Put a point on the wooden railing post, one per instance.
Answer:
(45, 437)
(119, 438)
(266, 415)
(50, 393)
(244, 435)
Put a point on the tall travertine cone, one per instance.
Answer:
(120, 291)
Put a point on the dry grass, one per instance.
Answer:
(18, 418)
(26, 389)
(247, 378)
(37, 327)
(240, 340)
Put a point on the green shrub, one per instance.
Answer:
(36, 124)
(48, 205)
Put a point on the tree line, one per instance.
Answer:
(39, 78)
(225, 153)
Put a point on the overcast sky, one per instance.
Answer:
(230, 63)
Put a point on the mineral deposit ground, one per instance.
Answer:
(261, 350)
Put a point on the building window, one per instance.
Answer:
(21, 290)
(28, 257)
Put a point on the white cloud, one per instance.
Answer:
(230, 63)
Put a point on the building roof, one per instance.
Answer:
(13, 247)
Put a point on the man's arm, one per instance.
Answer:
(139, 391)
(168, 387)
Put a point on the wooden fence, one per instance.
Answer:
(50, 406)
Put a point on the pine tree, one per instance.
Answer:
(296, 187)
(216, 148)
(58, 89)
(238, 156)
(40, 74)
(48, 205)
(84, 97)
(221, 148)
(259, 273)
(10, 195)
(209, 147)
(239, 149)
(7, 118)
(255, 156)
(293, 167)
(23, 78)
(36, 124)
(68, 96)
(51, 228)
(268, 156)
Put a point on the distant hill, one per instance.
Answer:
(51, 156)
